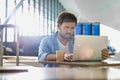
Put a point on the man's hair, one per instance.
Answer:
(66, 17)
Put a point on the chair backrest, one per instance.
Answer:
(30, 44)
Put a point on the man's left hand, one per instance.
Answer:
(105, 53)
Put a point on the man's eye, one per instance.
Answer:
(67, 27)
(72, 28)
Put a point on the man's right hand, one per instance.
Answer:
(68, 57)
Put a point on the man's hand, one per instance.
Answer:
(68, 57)
(105, 53)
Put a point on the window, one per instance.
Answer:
(33, 17)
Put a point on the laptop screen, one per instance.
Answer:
(88, 47)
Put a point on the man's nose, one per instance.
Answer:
(70, 30)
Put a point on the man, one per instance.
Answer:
(62, 40)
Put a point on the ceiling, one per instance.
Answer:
(106, 12)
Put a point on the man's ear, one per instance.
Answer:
(58, 26)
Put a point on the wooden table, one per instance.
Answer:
(82, 64)
(60, 73)
(23, 60)
(33, 61)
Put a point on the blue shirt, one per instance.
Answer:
(49, 45)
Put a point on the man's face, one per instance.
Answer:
(66, 29)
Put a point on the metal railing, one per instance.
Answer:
(1, 42)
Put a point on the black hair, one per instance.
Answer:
(66, 17)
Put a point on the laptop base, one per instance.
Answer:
(87, 61)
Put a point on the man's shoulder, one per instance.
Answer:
(49, 38)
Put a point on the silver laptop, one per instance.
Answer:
(88, 47)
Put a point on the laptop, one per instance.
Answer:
(88, 47)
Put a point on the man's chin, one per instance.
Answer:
(68, 37)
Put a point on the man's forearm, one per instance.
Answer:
(50, 57)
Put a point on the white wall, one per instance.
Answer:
(113, 36)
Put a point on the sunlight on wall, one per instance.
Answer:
(113, 36)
